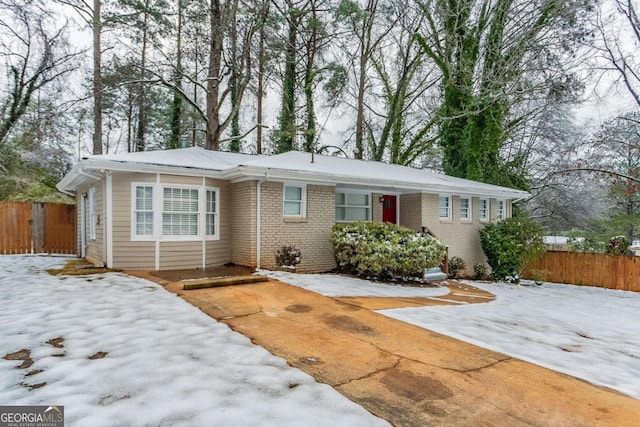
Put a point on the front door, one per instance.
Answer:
(389, 209)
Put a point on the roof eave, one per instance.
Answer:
(241, 173)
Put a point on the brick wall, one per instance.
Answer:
(243, 223)
(309, 234)
(376, 207)
(411, 211)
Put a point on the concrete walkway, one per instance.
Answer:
(405, 374)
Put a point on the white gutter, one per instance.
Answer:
(259, 218)
(109, 219)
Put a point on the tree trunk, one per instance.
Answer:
(97, 79)
(286, 140)
(176, 105)
(142, 101)
(235, 144)
(213, 77)
(261, 64)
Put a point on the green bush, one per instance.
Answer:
(480, 271)
(618, 245)
(456, 266)
(384, 250)
(510, 245)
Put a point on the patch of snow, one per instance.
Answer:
(167, 363)
(335, 285)
(590, 333)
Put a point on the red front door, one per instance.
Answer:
(389, 209)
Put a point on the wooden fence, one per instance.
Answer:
(37, 228)
(606, 271)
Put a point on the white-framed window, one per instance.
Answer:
(484, 210)
(211, 212)
(93, 217)
(465, 209)
(174, 212)
(294, 196)
(142, 211)
(180, 211)
(444, 207)
(353, 206)
(502, 213)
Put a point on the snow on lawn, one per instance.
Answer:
(334, 285)
(590, 333)
(167, 363)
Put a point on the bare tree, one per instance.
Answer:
(35, 52)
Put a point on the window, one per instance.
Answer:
(293, 201)
(444, 210)
(501, 210)
(353, 207)
(465, 208)
(93, 218)
(211, 213)
(143, 211)
(484, 210)
(180, 211)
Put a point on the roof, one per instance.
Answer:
(292, 165)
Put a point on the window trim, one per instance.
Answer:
(449, 207)
(346, 191)
(158, 210)
(216, 218)
(487, 216)
(93, 217)
(134, 235)
(501, 213)
(179, 238)
(469, 217)
(303, 201)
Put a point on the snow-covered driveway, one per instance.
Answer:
(590, 333)
(166, 362)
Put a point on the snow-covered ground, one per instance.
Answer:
(334, 285)
(590, 333)
(167, 363)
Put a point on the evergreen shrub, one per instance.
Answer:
(511, 245)
(384, 250)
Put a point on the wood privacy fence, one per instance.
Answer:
(37, 228)
(606, 271)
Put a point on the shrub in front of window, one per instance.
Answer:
(288, 256)
(456, 266)
(511, 245)
(384, 250)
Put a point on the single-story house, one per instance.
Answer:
(195, 208)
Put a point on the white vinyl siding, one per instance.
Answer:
(294, 200)
(353, 207)
(484, 210)
(142, 211)
(180, 211)
(465, 209)
(444, 207)
(93, 218)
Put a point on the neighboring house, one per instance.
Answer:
(558, 243)
(194, 208)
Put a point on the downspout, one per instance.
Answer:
(259, 218)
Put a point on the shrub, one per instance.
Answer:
(480, 271)
(510, 245)
(618, 245)
(288, 256)
(384, 250)
(456, 266)
(587, 244)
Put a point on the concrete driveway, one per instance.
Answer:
(405, 374)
